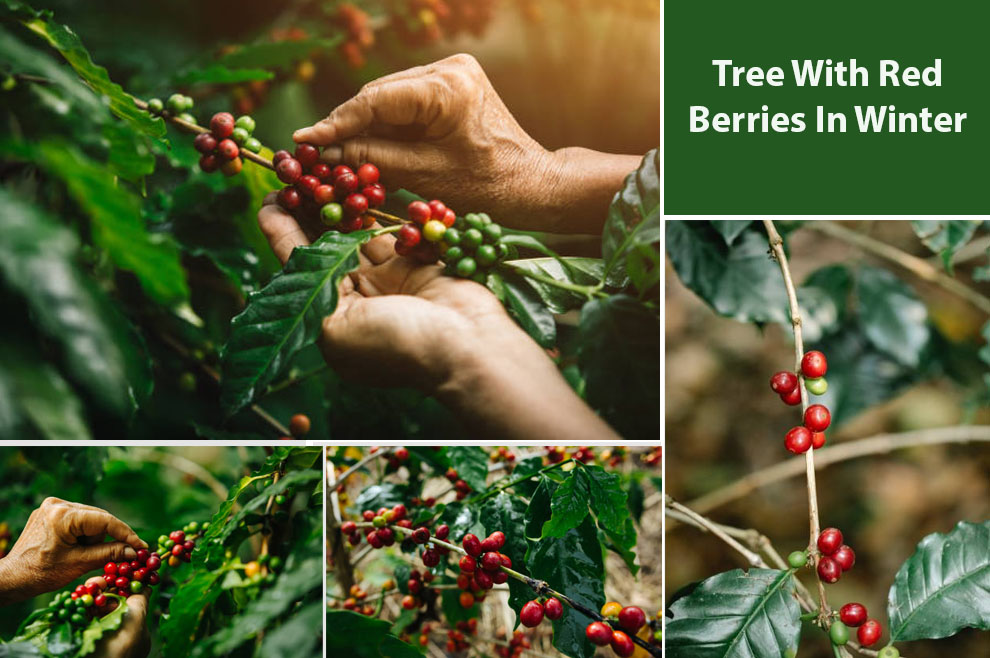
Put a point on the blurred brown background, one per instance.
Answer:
(723, 422)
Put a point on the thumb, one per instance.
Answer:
(97, 555)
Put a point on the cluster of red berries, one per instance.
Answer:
(460, 486)
(555, 454)
(379, 534)
(817, 418)
(340, 196)
(629, 619)
(398, 457)
(360, 37)
(517, 645)
(836, 559)
(428, 222)
(869, 630)
(481, 569)
(355, 602)
(502, 454)
(418, 589)
(457, 638)
(221, 147)
(534, 611)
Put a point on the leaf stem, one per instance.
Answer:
(586, 291)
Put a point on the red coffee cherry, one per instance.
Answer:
(829, 541)
(307, 155)
(280, 155)
(466, 599)
(288, 170)
(622, 644)
(450, 218)
(793, 398)
(154, 562)
(844, 557)
(398, 512)
(829, 570)
(100, 600)
(419, 212)
(289, 198)
(598, 633)
(409, 602)
(355, 204)
(817, 418)
(209, 163)
(205, 143)
(490, 561)
(467, 564)
(437, 209)
(321, 171)
(553, 608)
(110, 568)
(375, 540)
(472, 545)
(632, 619)
(869, 632)
(431, 558)
(323, 194)
(222, 125)
(814, 365)
(340, 170)
(375, 195)
(531, 614)
(499, 577)
(345, 185)
(498, 538)
(484, 579)
(228, 149)
(798, 440)
(421, 535)
(307, 185)
(852, 614)
(442, 531)
(122, 582)
(817, 440)
(232, 167)
(368, 174)
(299, 425)
(783, 382)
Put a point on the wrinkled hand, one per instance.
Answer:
(399, 323)
(442, 131)
(61, 542)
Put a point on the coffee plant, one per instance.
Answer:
(153, 307)
(872, 337)
(245, 582)
(427, 546)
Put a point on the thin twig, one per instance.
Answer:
(917, 266)
(875, 445)
(751, 557)
(777, 245)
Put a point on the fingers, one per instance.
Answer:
(281, 230)
(93, 522)
(99, 554)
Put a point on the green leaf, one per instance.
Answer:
(610, 504)
(377, 496)
(471, 464)
(284, 641)
(99, 626)
(893, 317)
(736, 614)
(573, 564)
(220, 75)
(945, 236)
(506, 511)
(35, 391)
(178, 629)
(738, 281)
(570, 270)
(98, 348)
(942, 588)
(526, 306)
(822, 299)
(635, 214)
(730, 229)
(122, 104)
(19, 650)
(569, 505)
(116, 219)
(358, 636)
(285, 316)
(619, 355)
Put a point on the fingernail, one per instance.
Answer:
(130, 553)
(333, 153)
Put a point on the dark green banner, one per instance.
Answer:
(772, 145)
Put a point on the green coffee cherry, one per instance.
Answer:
(280, 499)
(466, 267)
(473, 220)
(379, 522)
(240, 136)
(155, 106)
(245, 122)
(839, 633)
(471, 239)
(275, 563)
(188, 118)
(453, 255)
(77, 619)
(492, 233)
(486, 255)
(816, 386)
(252, 144)
(176, 103)
(452, 237)
(136, 586)
(889, 652)
(797, 559)
(330, 215)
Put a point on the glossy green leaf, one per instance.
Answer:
(730, 229)
(893, 317)
(36, 394)
(740, 281)
(507, 511)
(285, 316)
(736, 614)
(635, 214)
(63, 39)
(191, 601)
(619, 355)
(569, 505)
(462, 519)
(377, 496)
(100, 626)
(284, 640)
(37, 261)
(358, 636)
(525, 305)
(471, 464)
(945, 236)
(573, 564)
(569, 270)
(942, 588)
(823, 301)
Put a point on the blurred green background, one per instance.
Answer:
(723, 422)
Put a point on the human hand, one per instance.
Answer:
(61, 542)
(442, 131)
(400, 323)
